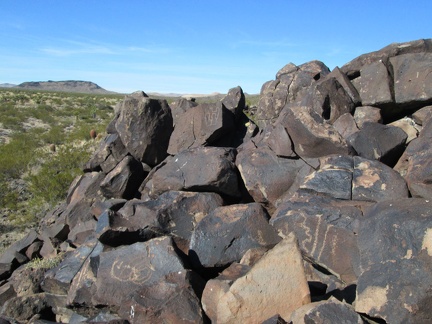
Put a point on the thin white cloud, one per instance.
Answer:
(71, 47)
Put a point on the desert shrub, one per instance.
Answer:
(49, 183)
(45, 263)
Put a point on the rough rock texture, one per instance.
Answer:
(395, 247)
(223, 236)
(275, 284)
(292, 211)
(145, 126)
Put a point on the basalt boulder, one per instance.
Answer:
(145, 126)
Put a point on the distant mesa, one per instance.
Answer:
(64, 86)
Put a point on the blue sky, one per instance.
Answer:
(193, 46)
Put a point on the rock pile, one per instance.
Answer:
(318, 209)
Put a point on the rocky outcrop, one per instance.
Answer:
(317, 210)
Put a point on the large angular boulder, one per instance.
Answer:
(124, 180)
(179, 106)
(311, 135)
(59, 279)
(145, 126)
(235, 101)
(326, 229)
(379, 142)
(172, 299)
(267, 176)
(412, 75)
(224, 235)
(291, 84)
(127, 269)
(202, 169)
(275, 284)
(396, 255)
(200, 125)
(329, 99)
(376, 85)
(173, 213)
(110, 152)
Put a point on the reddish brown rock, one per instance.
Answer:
(276, 284)
(326, 229)
(172, 299)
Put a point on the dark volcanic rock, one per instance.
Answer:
(145, 126)
(235, 101)
(367, 114)
(326, 229)
(202, 169)
(396, 253)
(173, 213)
(419, 169)
(329, 99)
(124, 180)
(267, 176)
(110, 152)
(224, 235)
(179, 107)
(327, 311)
(379, 142)
(172, 299)
(311, 135)
(291, 84)
(200, 125)
(127, 269)
(412, 75)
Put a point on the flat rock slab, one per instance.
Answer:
(58, 280)
(275, 284)
(396, 254)
(124, 270)
(172, 299)
(145, 126)
(225, 234)
(412, 75)
(355, 178)
(203, 169)
(326, 229)
(267, 176)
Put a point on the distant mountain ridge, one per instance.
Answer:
(64, 86)
(7, 85)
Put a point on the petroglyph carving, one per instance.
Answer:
(138, 271)
(211, 115)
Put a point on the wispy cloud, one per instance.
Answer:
(71, 47)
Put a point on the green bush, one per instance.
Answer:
(50, 182)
